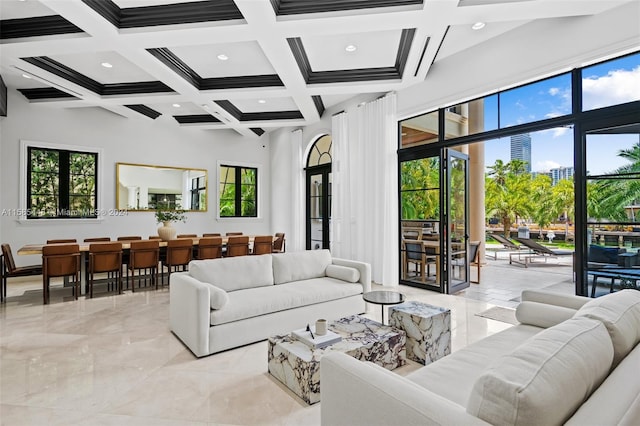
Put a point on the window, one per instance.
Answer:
(238, 191)
(198, 192)
(61, 183)
(611, 83)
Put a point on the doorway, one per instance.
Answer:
(318, 199)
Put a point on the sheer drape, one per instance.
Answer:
(296, 241)
(365, 190)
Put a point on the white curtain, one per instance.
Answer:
(296, 241)
(365, 187)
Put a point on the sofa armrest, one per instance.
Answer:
(361, 393)
(553, 298)
(362, 267)
(189, 312)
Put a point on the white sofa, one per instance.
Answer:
(225, 303)
(571, 360)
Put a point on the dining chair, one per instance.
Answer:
(143, 255)
(187, 236)
(211, 234)
(105, 257)
(62, 241)
(278, 244)
(125, 255)
(262, 244)
(230, 234)
(416, 254)
(130, 238)
(10, 270)
(155, 237)
(60, 260)
(472, 256)
(210, 248)
(237, 246)
(97, 239)
(179, 254)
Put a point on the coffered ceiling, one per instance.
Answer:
(247, 65)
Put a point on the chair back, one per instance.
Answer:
(414, 249)
(59, 260)
(187, 236)
(238, 246)
(211, 234)
(474, 250)
(9, 263)
(179, 251)
(97, 239)
(62, 241)
(210, 248)
(144, 254)
(233, 233)
(412, 233)
(262, 244)
(105, 257)
(278, 244)
(130, 238)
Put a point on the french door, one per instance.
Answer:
(318, 207)
(434, 221)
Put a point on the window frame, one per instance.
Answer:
(24, 191)
(237, 165)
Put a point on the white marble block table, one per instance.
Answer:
(297, 365)
(428, 330)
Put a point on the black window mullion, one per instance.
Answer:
(238, 171)
(64, 183)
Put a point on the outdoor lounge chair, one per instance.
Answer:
(538, 251)
(507, 246)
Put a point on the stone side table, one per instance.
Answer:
(428, 330)
(297, 365)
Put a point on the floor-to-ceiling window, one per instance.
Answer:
(533, 153)
(318, 189)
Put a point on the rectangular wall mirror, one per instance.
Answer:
(148, 187)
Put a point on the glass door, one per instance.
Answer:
(456, 219)
(318, 208)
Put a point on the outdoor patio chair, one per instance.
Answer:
(538, 251)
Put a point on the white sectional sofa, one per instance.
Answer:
(224, 303)
(571, 360)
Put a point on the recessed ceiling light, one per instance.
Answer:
(176, 105)
(106, 65)
(478, 26)
(223, 57)
(26, 75)
(262, 101)
(351, 48)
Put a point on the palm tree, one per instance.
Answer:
(564, 201)
(508, 192)
(542, 200)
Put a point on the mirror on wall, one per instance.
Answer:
(148, 187)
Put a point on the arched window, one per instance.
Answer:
(319, 194)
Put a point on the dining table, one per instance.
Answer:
(36, 249)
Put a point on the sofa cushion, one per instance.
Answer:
(546, 379)
(620, 313)
(344, 273)
(300, 265)
(234, 273)
(542, 314)
(265, 300)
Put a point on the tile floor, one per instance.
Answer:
(113, 360)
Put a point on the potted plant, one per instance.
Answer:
(165, 216)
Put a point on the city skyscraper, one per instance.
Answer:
(521, 149)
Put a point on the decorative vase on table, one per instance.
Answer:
(167, 232)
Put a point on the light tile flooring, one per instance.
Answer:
(113, 360)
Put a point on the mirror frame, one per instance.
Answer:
(206, 180)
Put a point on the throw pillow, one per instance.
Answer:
(344, 273)
(547, 378)
(620, 313)
(542, 314)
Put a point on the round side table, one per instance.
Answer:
(383, 297)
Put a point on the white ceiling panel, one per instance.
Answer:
(90, 65)
(373, 50)
(184, 108)
(268, 105)
(15, 9)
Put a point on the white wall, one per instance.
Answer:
(124, 140)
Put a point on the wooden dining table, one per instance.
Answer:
(36, 249)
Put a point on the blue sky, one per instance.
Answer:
(606, 84)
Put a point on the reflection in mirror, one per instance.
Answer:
(147, 187)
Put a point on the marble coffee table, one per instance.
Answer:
(297, 365)
(428, 330)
